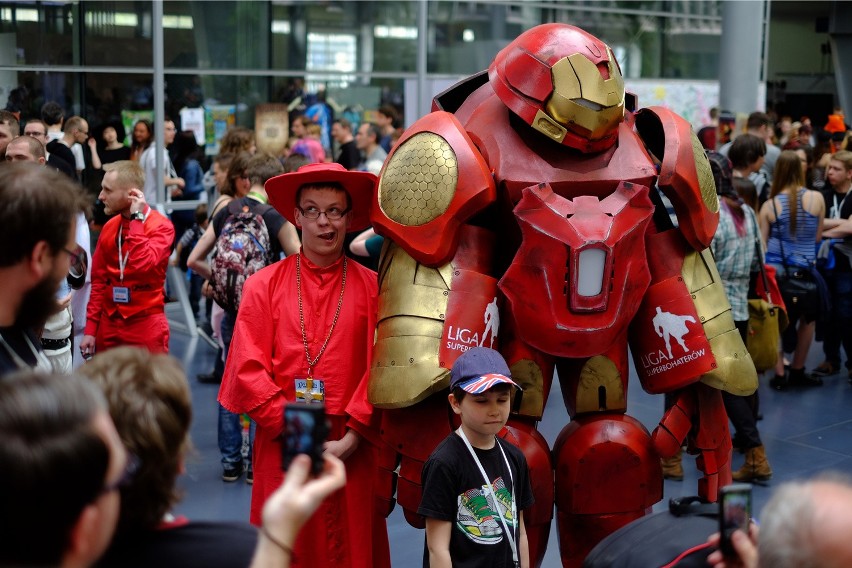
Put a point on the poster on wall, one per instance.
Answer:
(130, 117)
(690, 99)
(271, 125)
(217, 120)
(192, 120)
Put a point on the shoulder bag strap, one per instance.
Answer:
(780, 240)
(760, 262)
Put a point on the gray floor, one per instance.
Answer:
(804, 431)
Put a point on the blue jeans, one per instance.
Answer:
(230, 427)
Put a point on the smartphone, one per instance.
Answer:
(734, 513)
(305, 432)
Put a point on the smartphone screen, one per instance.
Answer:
(734, 513)
(305, 431)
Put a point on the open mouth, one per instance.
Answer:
(327, 236)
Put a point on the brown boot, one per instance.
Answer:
(672, 468)
(755, 468)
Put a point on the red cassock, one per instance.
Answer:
(141, 321)
(267, 354)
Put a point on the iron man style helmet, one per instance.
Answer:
(563, 82)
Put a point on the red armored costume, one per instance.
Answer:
(528, 213)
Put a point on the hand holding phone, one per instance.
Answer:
(735, 504)
(305, 432)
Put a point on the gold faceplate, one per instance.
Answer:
(734, 372)
(582, 100)
(412, 302)
(419, 181)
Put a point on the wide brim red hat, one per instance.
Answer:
(360, 186)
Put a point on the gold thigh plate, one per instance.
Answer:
(734, 372)
(413, 299)
(600, 387)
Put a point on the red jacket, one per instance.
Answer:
(147, 245)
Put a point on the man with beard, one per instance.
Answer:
(56, 337)
(126, 306)
(35, 256)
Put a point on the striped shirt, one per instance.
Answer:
(799, 249)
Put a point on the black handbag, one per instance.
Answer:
(800, 287)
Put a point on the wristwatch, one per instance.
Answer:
(138, 216)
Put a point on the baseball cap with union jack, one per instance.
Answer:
(479, 369)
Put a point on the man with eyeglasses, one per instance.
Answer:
(35, 256)
(127, 306)
(36, 128)
(63, 464)
(304, 334)
(281, 236)
(73, 293)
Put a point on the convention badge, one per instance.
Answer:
(121, 294)
(309, 389)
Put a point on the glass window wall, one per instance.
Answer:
(96, 58)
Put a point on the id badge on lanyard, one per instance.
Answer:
(121, 294)
(309, 389)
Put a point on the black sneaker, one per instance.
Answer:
(799, 378)
(779, 382)
(209, 378)
(250, 477)
(232, 473)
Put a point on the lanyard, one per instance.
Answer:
(510, 535)
(122, 260)
(42, 363)
(836, 210)
(258, 197)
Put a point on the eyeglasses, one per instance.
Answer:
(332, 214)
(78, 256)
(33, 134)
(131, 468)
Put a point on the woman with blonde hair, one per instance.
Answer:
(791, 224)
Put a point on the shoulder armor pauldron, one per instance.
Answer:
(433, 182)
(685, 175)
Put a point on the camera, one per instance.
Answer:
(734, 513)
(305, 432)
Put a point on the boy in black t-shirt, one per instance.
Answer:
(475, 486)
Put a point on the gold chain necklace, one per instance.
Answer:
(312, 363)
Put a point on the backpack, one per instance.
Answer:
(242, 248)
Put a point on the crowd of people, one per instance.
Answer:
(112, 437)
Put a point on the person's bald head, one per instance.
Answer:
(25, 149)
(807, 524)
(833, 522)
